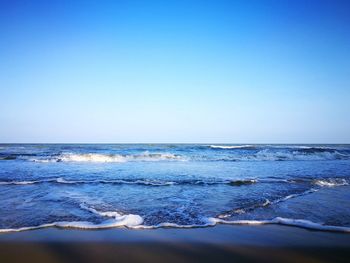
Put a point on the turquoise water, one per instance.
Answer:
(173, 185)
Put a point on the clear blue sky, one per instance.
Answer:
(175, 71)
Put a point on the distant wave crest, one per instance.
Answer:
(240, 153)
(296, 155)
(232, 147)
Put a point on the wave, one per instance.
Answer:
(232, 146)
(265, 203)
(118, 181)
(256, 153)
(322, 182)
(284, 221)
(13, 156)
(283, 153)
(145, 182)
(76, 224)
(120, 219)
(302, 147)
(117, 219)
(331, 182)
(19, 182)
(135, 222)
(63, 181)
(111, 158)
(310, 191)
(268, 155)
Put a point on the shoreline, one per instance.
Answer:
(212, 222)
(256, 235)
(263, 243)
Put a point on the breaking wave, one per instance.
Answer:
(296, 155)
(232, 147)
(222, 153)
(281, 153)
(111, 158)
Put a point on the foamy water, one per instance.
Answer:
(152, 186)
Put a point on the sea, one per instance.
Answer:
(150, 186)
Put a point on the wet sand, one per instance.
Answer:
(268, 243)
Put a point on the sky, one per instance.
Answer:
(182, 71)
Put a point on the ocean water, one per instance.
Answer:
(93, 186)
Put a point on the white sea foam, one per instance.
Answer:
(18, 182)
(126, 220)
(92, 157)
(119, 219)
(153, 183)
(116, 219)
(110, 158)
(231, 146)
(145, 182)
(284, 221)
(302, 153)
(135, 222)
(331, 182)
(63, 181)
(206, 223)
(43, 160)
(117, 181)
(266, 203)
(301, 147)
(312, 190)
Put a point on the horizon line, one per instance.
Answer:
(236, 143)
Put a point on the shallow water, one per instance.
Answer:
(173, 185)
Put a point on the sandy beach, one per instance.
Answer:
(269, 243)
